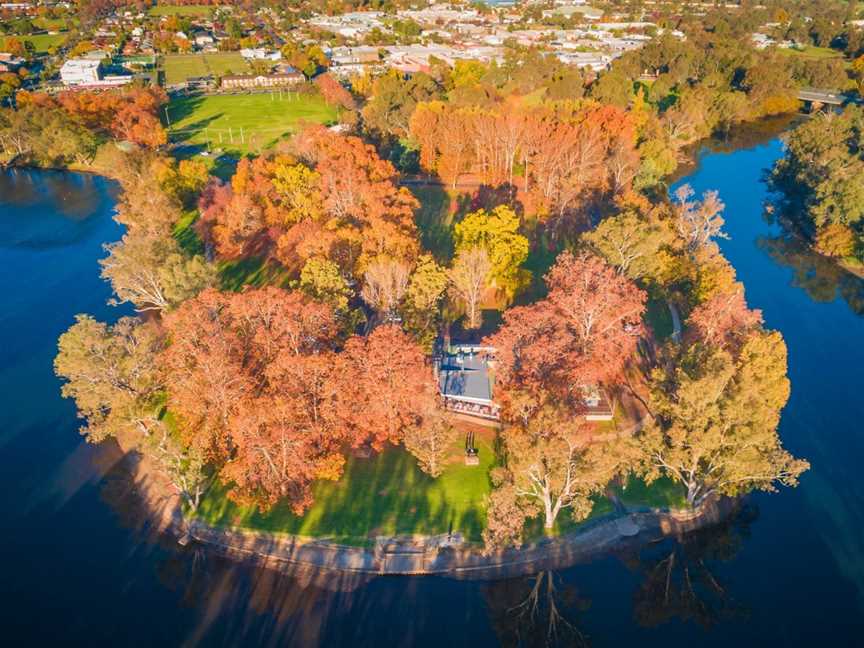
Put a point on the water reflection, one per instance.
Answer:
(539, 610)
(57, 208)
(678, 580)
(820, 277)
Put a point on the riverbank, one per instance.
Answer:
(446, 555)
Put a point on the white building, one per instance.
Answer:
(87, 72)
(80, 71)
(260, 54)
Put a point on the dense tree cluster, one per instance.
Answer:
(268, 388)
(820, 177)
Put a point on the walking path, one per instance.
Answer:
(445, 555)
(676, 322)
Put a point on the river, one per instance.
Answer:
(81, 567)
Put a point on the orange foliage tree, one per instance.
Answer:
(131, 115)
(581, 334)
(341, 203)
(387, 385)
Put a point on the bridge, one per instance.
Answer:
(824, 97)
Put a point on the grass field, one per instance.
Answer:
(244, 123)
(811, 52)
(179, 67)
(41, 42)
(177, 10)
(383, 495)
(435, 220)
(662, 493)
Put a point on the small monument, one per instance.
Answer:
(471, 455)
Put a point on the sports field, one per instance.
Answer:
(245, 122)
(41, 42)
(179, 67)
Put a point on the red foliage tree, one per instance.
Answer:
(581, 334)
(387, 386)
(221, 346)
(724, 320)
(334, 93)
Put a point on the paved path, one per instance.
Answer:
(423, 555)
(676, 321)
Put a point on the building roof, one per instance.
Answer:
(465, 376)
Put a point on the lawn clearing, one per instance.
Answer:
(41, 42)
(434, 220)
(244, 123)
(812, 52)
(385, 494)
(662, 493)
(180, 67)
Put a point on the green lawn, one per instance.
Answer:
(383, 495)
(179, 67)
(41, 42)
(434, 220)
(177, 10)
(811, 52)
(244, 123)
(659, 318)
(662, 493)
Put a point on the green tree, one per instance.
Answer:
(321, 279)
(555, 465)
(498, 234)
(153, 274)
(111, 374)
(423, 298)
(638, 241)
(716, 417)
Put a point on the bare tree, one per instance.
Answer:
(699, 222)
(385, 286)
(469, 278)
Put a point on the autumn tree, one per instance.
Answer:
(321, 279)
(431, 441)
(505, 516)
(716, 417)
(421, 309)
(291, 435)
(361, 195)
(725, 320)
(385, 283)
(469, 280)
(496, 232)
(582, 333)
(334, 93)
(387, 386)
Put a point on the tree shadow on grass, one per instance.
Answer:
(434, 220)
(382, 495)
(253, 271)
(180, 109)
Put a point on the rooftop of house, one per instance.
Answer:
(465, 374)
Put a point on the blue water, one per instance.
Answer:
(81, 568)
